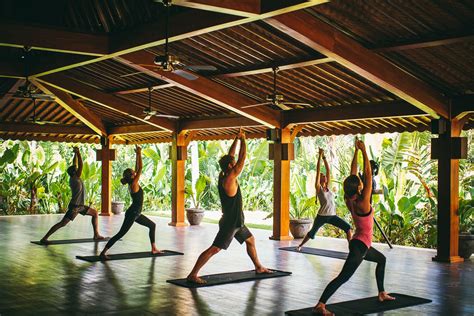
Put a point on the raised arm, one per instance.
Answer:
(317, 184)
(354, 159)
(138, 166)
(239, 166)
(328, 171)
(367, 191)
(78, 161)
(234, 145)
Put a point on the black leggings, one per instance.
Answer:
(357, 252)
(127, 224)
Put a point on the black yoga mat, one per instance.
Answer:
(68, 241)
(319, 252)
(232, 277)
(364, 306)
(132, 255)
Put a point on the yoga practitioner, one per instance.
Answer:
(327, 210)
(134, 212)
(357, 197)
(76, 205)
(231, 225)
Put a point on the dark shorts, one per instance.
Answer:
(78, 209)
(224, 236)
(333, 220)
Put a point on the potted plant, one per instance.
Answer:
(201, 188)
(300, 213)
(466, 228)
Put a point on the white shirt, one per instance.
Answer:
(328, 205)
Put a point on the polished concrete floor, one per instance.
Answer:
(37, 280)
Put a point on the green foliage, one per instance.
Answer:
(199, 191)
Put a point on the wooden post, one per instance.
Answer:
(178, 160)
(448, 193)
(106, 156)
(282, 154)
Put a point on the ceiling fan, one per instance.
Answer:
(274, 99)
(35, 120)
(150, 112)
(27, 91)
(169, 62)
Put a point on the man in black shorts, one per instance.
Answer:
(231, 225)
(76, 205)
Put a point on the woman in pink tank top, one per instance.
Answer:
(357, 197)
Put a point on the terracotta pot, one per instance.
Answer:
(466, 245)
(299, 227)
(194, 215)
(117, 207)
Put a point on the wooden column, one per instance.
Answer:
(178, 160)
(281, 151)
(106, 156)
(446, 148)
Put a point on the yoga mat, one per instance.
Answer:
(364, 306)
(231, 277)
(68, 241)
(132, 255)
(319, 252)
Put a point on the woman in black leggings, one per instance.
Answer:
(357, 197)
(134, 212)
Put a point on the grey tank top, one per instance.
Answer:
(77, 191)
(328, 205)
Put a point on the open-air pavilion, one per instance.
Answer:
(343, 67)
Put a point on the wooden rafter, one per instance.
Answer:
(144, 89)
(14, 87)
(47, 128)
(245, 8)
(111, 102)
(132, 129)
(197, 22)
(51, 39)
(55, 138)
(213, 123)
(255, 70)
(462, 106)
(353, 112)
(324, 38)
(425, 43)
(209, 90)
(75, 108)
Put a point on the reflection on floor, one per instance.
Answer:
(49, 280)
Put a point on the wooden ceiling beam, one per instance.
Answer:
(462, 106)
(213, 123)
(352, 112)
(132, 129)
(366, 130)
(425, 43)
(144, 89)
(246, 8)
(74, 107)
(53, 39)
(332, 43)
(13, 88)
(256, 70)
(111, 102)
(62, 139)
(46, 128)
(209, 90)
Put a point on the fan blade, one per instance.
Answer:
(185, 74)
(254, 105)
(168, 116)
(297, 103)
(131, 74)
(40, 96)
(201, 68)
(146, 118)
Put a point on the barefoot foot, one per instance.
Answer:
(298, 248)
(44, 241)
(103, 257)
(195, 279)
(99, 237)
(383, 296)
(320, 309)
(156, 251)
(261, 270)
